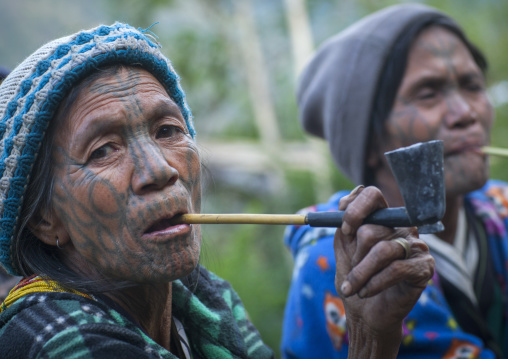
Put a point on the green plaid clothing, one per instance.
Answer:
(65, 325)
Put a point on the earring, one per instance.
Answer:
(58, 244)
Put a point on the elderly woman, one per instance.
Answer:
(98, 157)
(403, 75)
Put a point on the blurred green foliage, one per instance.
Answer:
(202, 39)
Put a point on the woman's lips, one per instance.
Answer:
(160, 225)
(165, 228)
(476, 148)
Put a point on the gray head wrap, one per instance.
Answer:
(337, 89)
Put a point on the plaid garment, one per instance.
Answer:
(441, 323)
(65, 325)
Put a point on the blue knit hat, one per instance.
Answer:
(31, 94)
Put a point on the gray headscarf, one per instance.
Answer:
(337, 89)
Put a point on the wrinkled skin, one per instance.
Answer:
(442, 97)
(125, 162)
(377, 285)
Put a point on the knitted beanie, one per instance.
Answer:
(336, 91)
(31, 94)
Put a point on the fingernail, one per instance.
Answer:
(345, 289)
(363, 293)
(346, 228)
(357, 189)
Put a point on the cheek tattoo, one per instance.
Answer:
(406, 125)
(107, 217)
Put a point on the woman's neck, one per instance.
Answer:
(148, 304)
(450, 219)
(150, 307)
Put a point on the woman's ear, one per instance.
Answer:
(48, 228)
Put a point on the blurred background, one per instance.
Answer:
(238, 61)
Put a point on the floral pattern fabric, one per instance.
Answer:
(314, 322)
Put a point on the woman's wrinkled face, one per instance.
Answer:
(443, 97)
(125, 164)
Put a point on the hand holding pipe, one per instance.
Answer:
(419, 172)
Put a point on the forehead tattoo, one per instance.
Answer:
(125, 85)
(443, 47)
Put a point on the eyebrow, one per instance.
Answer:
(165, 107)
(98, 125)
(113, 122)
(437, 81)
(472, 76)
(428, 81)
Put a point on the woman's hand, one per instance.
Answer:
(380, 275)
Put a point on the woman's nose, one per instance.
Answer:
(152, 170)
(459, 113)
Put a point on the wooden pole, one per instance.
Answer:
(244, 218)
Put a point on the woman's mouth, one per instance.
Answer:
(476, 148)
(160, 226)
(166, 227)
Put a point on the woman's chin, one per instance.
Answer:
(466, 184)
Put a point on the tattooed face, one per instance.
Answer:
(125, 164)
(443, 97)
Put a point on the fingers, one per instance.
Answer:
(404, 244)
(372, 258)
(384, 266)
(344, 201)
(414, 273)
(371, 248)
(368, 236)
(358, 205)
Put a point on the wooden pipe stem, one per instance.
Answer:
(391, 217)
(242, 218)
(495, 151)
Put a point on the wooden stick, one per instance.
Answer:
(495, 151)
(244, 218)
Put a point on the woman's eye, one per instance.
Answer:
(167, 131)
(426, 94)
(474, 87)
(102, 152)
(472, 83)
